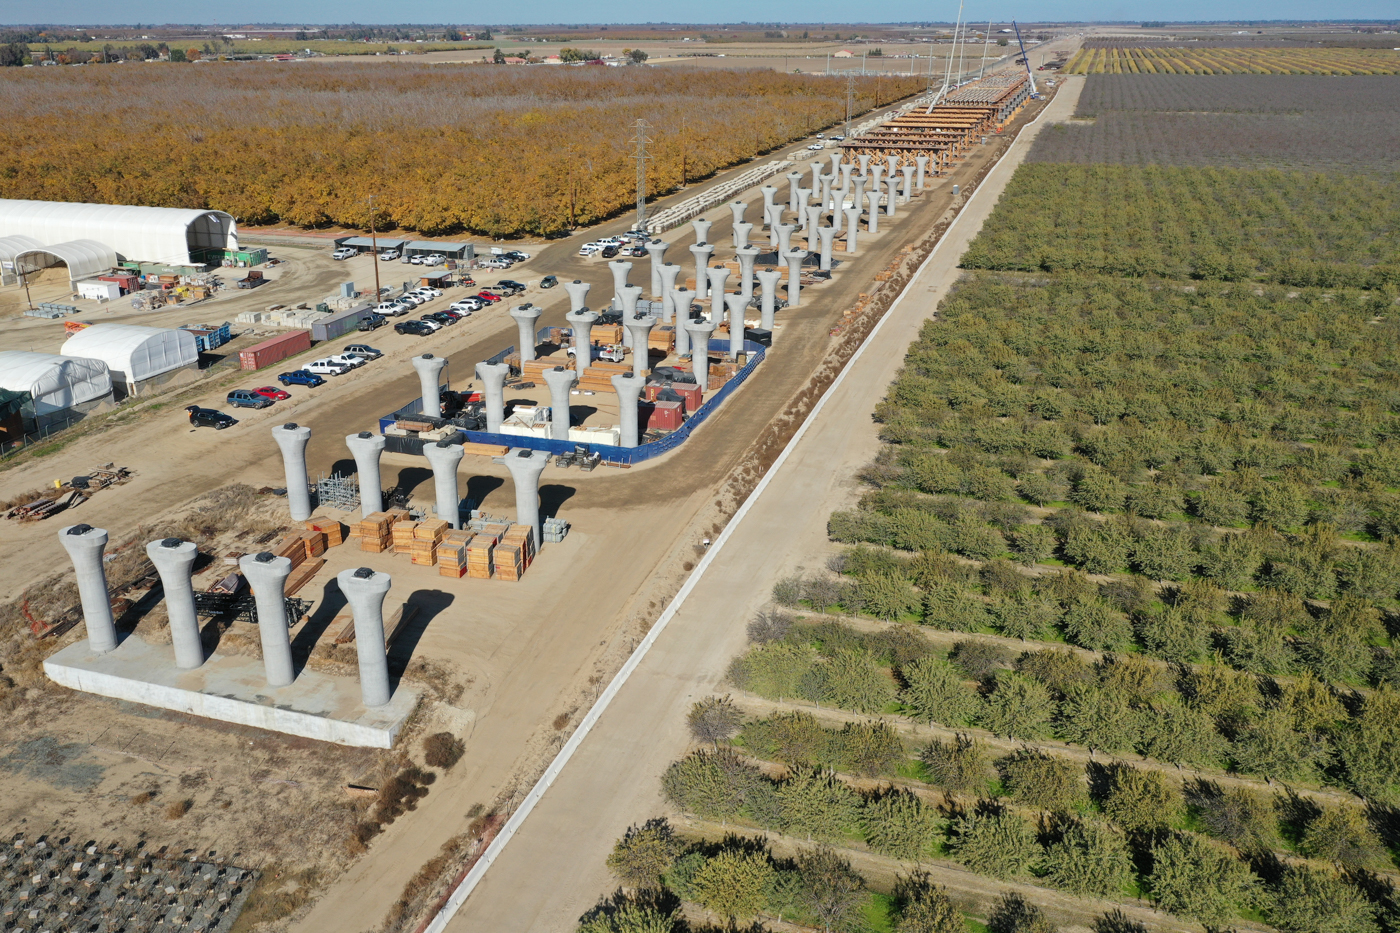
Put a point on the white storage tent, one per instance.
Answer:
(141, 234)
(57, 384)
(10, 248)
(84, 259)
(134, 354)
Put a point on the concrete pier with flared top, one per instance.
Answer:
(775, 220)
(793, 258)
(430, 369)
(736, 209)
(578, 294)
(741, 234)
(638, 328)
(858, 201)
(804, 199)
(785, 232)
(581, 322)
(619, 269)
(525, 468)
(815, 167)
(85, 545)
(631, 294)
(366, 447)
(526, 316)
(872, 216)
(702, 253)
(877, 173)
(794, 179)
(920, 164)
(827, 235)
(891, 165)
(669, 273)
(814, 220)
(174, 559)
(846, 169)
(736, 304)
(702, 229)
(824, 201)
(444, 457)
(493, 390)
(267, 575)
(700, 332)
(717, 277)
(864, 163)
(891, 195)
(560, 381)
(768, 280)
(629, 387)
(852, 225)
(746, 257)
(835, 158)
(769, 192)
(681, 299)
(292, 438)
(908, 173)
(365, 590)
(656, 249)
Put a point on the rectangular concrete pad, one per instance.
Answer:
(233, 688)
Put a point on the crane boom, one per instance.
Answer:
(1025, 59)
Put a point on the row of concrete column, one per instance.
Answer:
(364, 589)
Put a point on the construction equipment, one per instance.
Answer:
(1025, 60)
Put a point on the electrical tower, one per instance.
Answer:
(640, 141)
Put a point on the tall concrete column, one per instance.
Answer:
(853, 220)
(582, 324)
(920, 163)
(628, 387)
(892, 195)
(717, 276)
(526, 317)
(815, 167)
(700, 332)
(669, 273)
(631, 294)
(173, 559)
(864, 163)
(560, 381)
(769, 192)
(876, 173)
(736, 305)
(702, 253)
(365, 590)
(702, 229)
(737, 208)
(768, 281)
(639, 327)
(794, 179)
(891, 165)
(835, 158)
(443, 457)
(785, 232)
(681, 298)
(775, 220)
(267, 575)
(804, 198)
(85, 545)
(366, 447)
(525, 468)
(657, 250)
(794, 259)
(814, 215)
(828, 237)
(908, 173)
(825, 200)
(493, 390)
(872, 216)
(858, 202)
(292, 439)
(619, 269)
(429, 381)
(578, 294)
(741, 234)
(746, 257)
(846, 169)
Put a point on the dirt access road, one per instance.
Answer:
(553, 869)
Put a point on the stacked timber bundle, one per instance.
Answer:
(452, 553)
(515, 553)
(662, 337)
(598, 375)
(374, 532)
(314, 542)
(293, 548)
(403, 537)
(485, 450)
(479, 554)
(533, 370)
(426, 537)
(333, 530)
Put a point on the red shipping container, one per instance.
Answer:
(692, 394)
(659, 416)
(128, 282)
(274, 350)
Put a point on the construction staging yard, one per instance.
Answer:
(508, 668)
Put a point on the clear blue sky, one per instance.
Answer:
(91, 12)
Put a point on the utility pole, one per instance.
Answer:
(641, 156)
(374, 248)
(985, 42)
(850, 96)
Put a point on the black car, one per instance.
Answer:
(609, 252)
(549, 281)
(511, 283)
(442, 317)
(209, 418)
(373, 321)
(417, 328)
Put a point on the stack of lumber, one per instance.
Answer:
(414, 426)
(314, 542)
(662, 337)
(602, 334)
(404, 533)
(426, 537)
(374, 532)
(302, 575)
(534, 370)
(485, 450)
(515, 552)
(452, 553)
(479, 555)
(397, 515)
(293, 548)
(333, 530)
(598, 376)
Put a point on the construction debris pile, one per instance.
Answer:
(70, 494)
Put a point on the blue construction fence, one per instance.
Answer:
(628, 455)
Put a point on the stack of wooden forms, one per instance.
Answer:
(452, 554)
(403, 533)
(515, 553)
(602, 334)
(374, 532)
(533, 370)
(333, 530)
(426, 537)
(598, 375)
(485, 450)
(295, 548)
(663, 338)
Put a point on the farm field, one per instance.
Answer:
(446, 149)
(1213, 60)
(1110, 619)
(1295, 94)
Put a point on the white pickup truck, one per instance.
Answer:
(327, 367)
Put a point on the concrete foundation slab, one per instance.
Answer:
(233, 688)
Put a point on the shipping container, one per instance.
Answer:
(337, 325)
(274, 350)
(129, 282)
(209, 336)
(659, 416)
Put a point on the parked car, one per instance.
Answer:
(363, 350)
(588, 249)
(389, 255)
(428, 292)
(638, 251)
(549, 281)
(209, 418)
(489, 297)
(516, 255)
(301, 377)
(609, 241)
(428, 320)
(273, 393)
(391, 308)
(328, 367)
(345, 252)
(247, 398)
(506, 288)
(418, 328)
(610, 252)
(436, 259)
(837, 138)
(348, 359)
(372, 321)
(815, 146)
(467, 305)
(445, 318)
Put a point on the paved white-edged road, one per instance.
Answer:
(553, 868)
